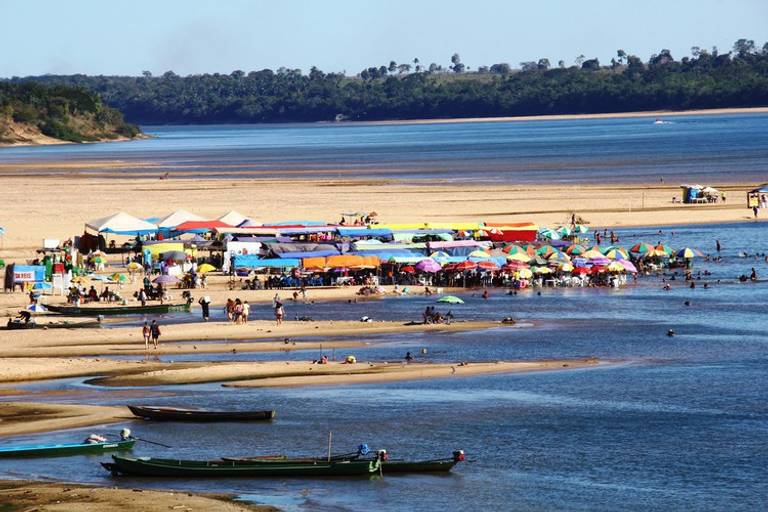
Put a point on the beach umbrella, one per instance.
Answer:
(513, 249)
(478, 254)
(580, 262)
(542, 270)
(439, 255)
(616, 254)
(597, 269)
(515, 264)
(408, 269)
(599, 248)
(600, 261)
(428, 265)
(580, 229)
(487, 265)
(545, 251)
(134, 266)
(41, 285)
(563, 231)
(688, 253)
(616, 267)
(575, 249)
(450, 299)
(36, 308)
(559, 257)
(640, 248)
(466, 265)
(525, 273)
(165, 279)
(663, 249)
(549, 233)
(580, 270)
(205, 268)
(628, 266)
(566, 267)
(521, 257)
(592, 253)
(120, 278)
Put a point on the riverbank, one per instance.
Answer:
(57, 497)
(29, 417)
(74, 199)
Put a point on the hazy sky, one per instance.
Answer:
(189, 36)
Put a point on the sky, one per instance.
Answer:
(200, 36)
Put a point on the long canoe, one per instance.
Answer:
(145, 466)
(57, 450)
(200, 415)
(154, 309)
(388, 465)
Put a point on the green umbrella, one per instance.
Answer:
(450, 299)
(549, 233)
(580, 229)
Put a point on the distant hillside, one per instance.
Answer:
(703, 80)
(31, 113)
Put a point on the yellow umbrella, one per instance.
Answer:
(519, 256)
(616, 267)
(134, 266)
(592, 254)
(479, 254)
(542, 270)
(205, 267)
(524, 273)
(566, 267)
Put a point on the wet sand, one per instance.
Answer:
(60, 497)
(296, 373)
(29, 417)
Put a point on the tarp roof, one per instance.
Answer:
(178, 217)
(233, 218)
(121, 224)
(201, 225)
(762, 189)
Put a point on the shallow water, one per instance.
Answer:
(676, 423)
(687, 148)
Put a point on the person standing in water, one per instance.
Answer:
(146, 332)
(155, 330)
(717, 245)
(279, 312)
(205, 304)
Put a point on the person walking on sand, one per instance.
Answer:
(205, 304)
(146, 332)
(279, 312)
(155, 330)
(246, 311)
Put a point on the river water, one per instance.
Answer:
(674, 423)
(684, 148)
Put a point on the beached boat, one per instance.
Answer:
(388, 465)
(154, 309)
(58, 450)
(197, 415)
(145, 466)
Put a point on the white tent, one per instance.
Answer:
(233, 218)
(121, 224)
(250, 223)
(178, 217)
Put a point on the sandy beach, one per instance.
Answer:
(76, 200)
(59, 497)
(29, 417)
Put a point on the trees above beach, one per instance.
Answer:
(705, 79)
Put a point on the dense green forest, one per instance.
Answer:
(705, 79)
(29, 110)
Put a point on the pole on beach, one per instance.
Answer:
(330, 441)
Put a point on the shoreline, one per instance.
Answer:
(17, 418)
(49, 496)
(567, 117)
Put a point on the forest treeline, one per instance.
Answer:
(74, 114)
(705, 79)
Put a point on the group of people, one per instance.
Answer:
(151, 332)
(237, 311)
(432, 316)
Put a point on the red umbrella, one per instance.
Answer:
(408, 269)
(466, 265)
(488, 265)
(449, 267)
(581, 270)
(516, 265)
(598, 268)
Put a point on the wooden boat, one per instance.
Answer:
(154, 309)
(145, 466)
(198, 415)
(58, 450)
(387, 465)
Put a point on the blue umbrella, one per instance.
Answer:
(36, 308)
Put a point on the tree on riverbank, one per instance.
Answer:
(706, 79)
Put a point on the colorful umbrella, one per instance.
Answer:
(591, 254)
(563, 231)
(515, 264)
(513, 249)
(598, 269)
(600, 261)
(479, 254)
(36, 308)
(566, 267)
(428, 265)
(559, 257)
(450, 299)
(519, 256)
(408, 269)
(120, 278)
(580, 229)
(439, 255)
(549, 233)
(616, 267)
(525, 273)
(205, 268)
(581, 270)
(466, 265)
(688, 253)
(165, 279)
(641, 248)
(580, 262)
(542, 270)
(576, 249)
(487, 265)
(628, 266)
(545, 251)
(663, 249)
(616, 254)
